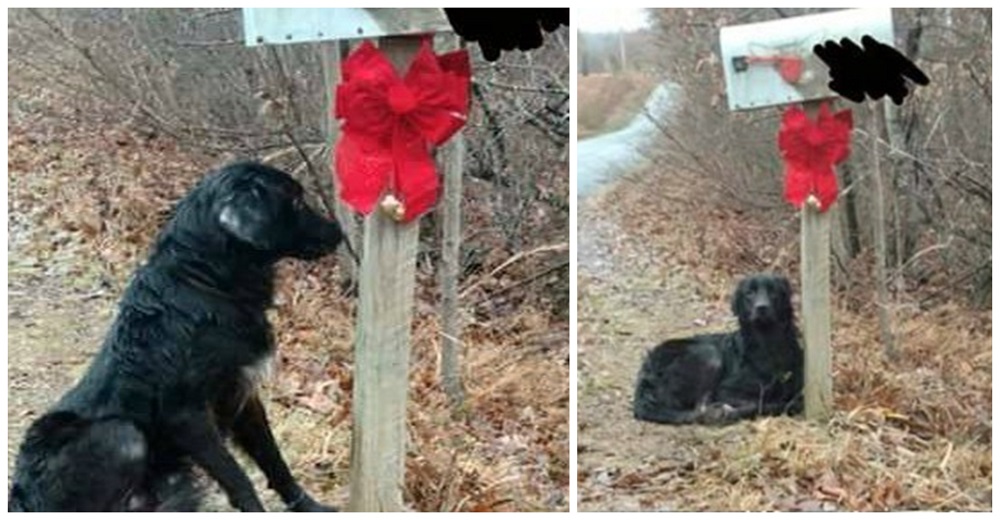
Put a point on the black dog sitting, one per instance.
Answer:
(175, 376)
(722, 378)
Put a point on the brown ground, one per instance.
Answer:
(628, 302)
(914, 435)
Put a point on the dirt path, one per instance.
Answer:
(629, 299)
(52, 332)
(601, 159)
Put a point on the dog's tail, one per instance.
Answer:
(646, 406)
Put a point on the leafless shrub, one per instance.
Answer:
(185, 73)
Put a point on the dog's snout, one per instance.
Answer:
(761, 306)
(318, 235)
(331, 234)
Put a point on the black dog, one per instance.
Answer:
(722, 378)
(175, 376)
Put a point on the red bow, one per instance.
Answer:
(810, 150)
(390, 124)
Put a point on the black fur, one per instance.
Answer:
(173, 378)
(722, 378)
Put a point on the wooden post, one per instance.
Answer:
(382, 347)
(451, 238)
(818, 391)
(331, 55)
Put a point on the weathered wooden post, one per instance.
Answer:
(386, 277)
(772, 63)
(818, 391)
(389, 130)
(451, 243)
(382, 346)
(816, 330)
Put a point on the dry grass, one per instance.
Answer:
(100, 192)
(915, 434)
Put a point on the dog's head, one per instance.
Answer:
(264, 210)
(763, 301)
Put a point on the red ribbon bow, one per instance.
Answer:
(810, 150)
(390, 124)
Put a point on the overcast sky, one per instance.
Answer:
(607, 20)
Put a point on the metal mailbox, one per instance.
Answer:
(772, 63)
(268, 26)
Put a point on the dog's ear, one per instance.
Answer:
(784, 300)
(739, 303)
(786, 287)
(248, 222)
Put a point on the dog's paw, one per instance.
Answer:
(716, 413)
(308, 505)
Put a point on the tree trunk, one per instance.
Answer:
(878, 220)
(331, 55)
(850, 205)
(451, 236)
(621, 50)
(904, 168)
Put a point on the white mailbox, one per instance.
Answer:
(772, 63)
(268, 26)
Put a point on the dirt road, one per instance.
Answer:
(602, 158)
(630, 298)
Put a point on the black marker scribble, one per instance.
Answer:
(505, 29)
(876, 70)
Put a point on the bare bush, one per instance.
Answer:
(519, 136)
(185, 73)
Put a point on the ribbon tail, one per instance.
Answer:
(415, 179)
(797, 185)
(826, 188)
(362, 172)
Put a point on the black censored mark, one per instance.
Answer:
(507, 29)
(876, 70)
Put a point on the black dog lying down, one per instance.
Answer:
(722, 378)
(175, 376)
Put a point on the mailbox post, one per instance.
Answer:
(771, 64)
(386, 278)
